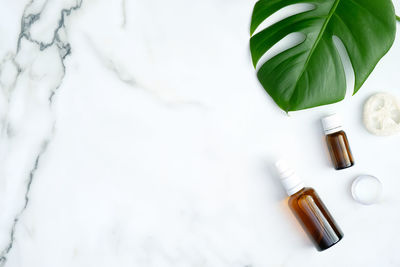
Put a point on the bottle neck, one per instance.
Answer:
(334, 130)
(301, 189)
(289, 179)
(292, 184)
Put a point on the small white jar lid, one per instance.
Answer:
(366, 189)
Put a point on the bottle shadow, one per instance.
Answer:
(281, 198)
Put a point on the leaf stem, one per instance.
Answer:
(398, 18)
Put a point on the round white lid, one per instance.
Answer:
(366, 189)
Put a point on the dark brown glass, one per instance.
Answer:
(339, 150)
(315, 218)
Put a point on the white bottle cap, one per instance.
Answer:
(332, 124)
(289, 179)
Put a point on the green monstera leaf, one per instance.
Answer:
(311, 73)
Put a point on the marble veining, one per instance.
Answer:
(59, 42)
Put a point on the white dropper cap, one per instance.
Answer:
(289, 179)
(332, 124)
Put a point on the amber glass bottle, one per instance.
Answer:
(309, 209)
(338, 144)
(315, 218)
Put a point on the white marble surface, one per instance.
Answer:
(135, 133)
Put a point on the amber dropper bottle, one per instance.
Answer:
(337, 142)
(309, 209)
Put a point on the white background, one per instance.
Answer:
(156, 147)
